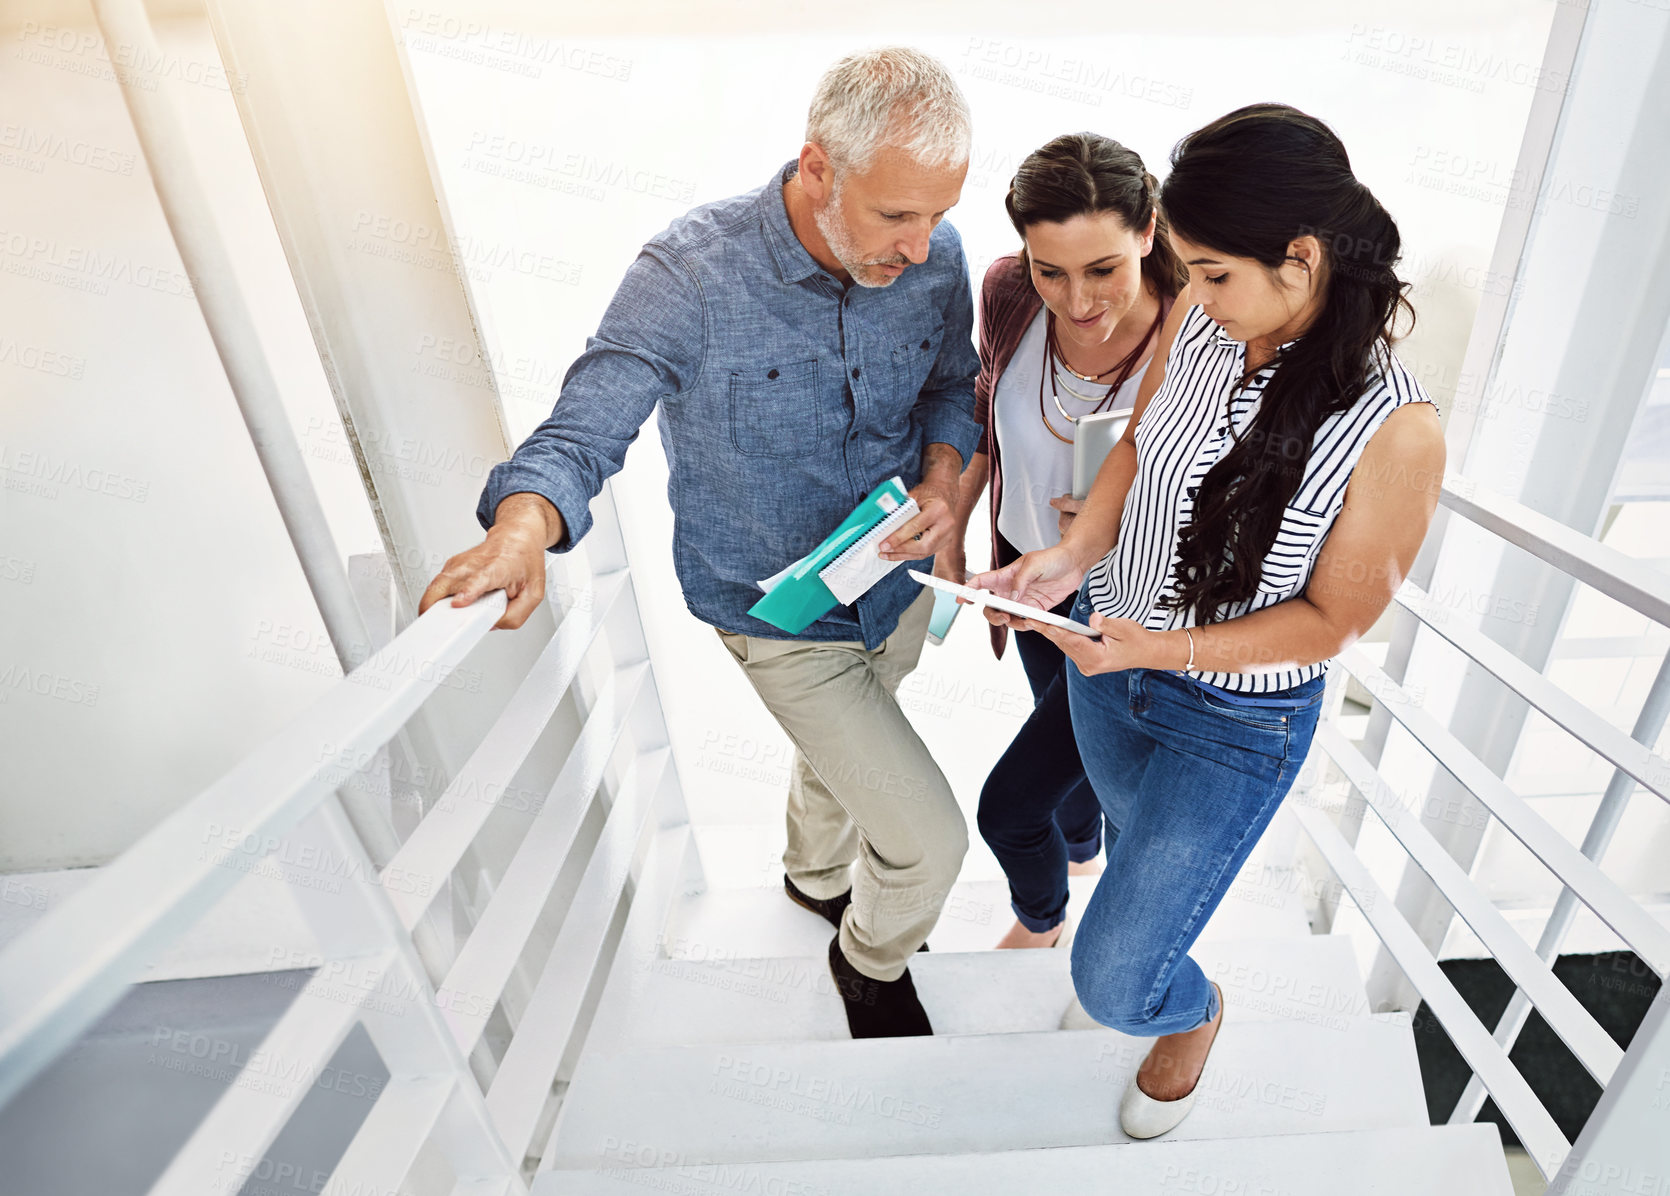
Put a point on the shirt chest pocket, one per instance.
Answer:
(774, 409)
(1298, 540)
(914, 360)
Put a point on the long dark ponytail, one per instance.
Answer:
(1082, 174)
(1247, 185)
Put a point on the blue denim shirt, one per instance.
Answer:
(784, 398)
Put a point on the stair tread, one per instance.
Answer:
(759, 921)
(744, 854)
(774, 1101)
(792, 998)
(1433, 1160)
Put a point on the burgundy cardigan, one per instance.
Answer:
(1008, 305)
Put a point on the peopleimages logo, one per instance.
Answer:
(265, 1070)
(35, 256)
(223, 844)
(42, 360)
(49, 145)
(527, 160)
(85, 52)
(735, 1076)
(507, 49)
(1085, 80)
(41, 473)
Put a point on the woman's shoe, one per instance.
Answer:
(1141, 1116)
(1069, 927)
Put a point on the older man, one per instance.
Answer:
(804, 342)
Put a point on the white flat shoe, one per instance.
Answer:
(1141, 1116)
(1069, 927)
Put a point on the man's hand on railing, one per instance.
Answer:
(512, 559)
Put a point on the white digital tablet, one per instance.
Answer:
(1093, 439)
(1008, 606)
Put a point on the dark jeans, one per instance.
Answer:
(1037, 809)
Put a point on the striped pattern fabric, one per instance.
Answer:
(1185, 430)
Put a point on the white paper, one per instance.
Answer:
(852, 573)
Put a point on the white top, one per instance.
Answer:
(1036, 466)
(1183, 433)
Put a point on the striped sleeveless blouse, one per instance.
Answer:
(1185, 430)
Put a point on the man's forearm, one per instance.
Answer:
(942, 464)
(528, 514)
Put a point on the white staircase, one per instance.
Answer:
(720, 1061)
(672, 1025)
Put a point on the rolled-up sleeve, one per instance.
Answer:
(649, 346)
(944, 409)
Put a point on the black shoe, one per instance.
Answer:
(829, 908)
(877, 1008)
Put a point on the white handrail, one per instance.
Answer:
(1632, 756)
(1593, 1047)
(1648, 724)
(58, 977)
(1625, 580)
(1579, 873)
(477, 978)
(66, 970)
(1583, 557)
(434, 848)
(1542, 1138)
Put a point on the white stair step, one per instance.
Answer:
(750, 854)
(944, 1095)
(1463, 1160)
(1264, 902)
(790, 999)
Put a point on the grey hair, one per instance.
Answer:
(895, 96)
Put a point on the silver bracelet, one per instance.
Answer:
(1191, 664)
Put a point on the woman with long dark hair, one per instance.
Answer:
(1068, 327)
(1258, 515)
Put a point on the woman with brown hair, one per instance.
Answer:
(1068, 326)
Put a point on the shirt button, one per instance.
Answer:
(771, 374)
(924, 344)
(855, 371)
(1192, 490)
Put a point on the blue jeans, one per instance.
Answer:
(1037, 809)
(1188, 779)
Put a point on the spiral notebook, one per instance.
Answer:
(858, 568)
(839, 570)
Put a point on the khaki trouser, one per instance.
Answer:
(864, 788)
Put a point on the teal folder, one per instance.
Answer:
(798, 597)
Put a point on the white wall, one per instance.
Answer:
(157, 603)
(154, 623)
